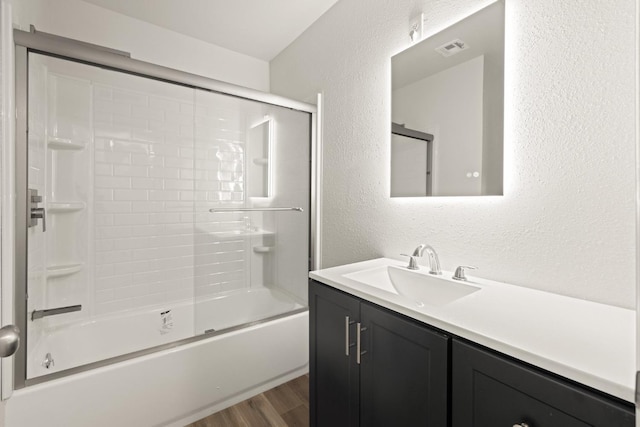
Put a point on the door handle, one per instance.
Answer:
(9, 340)
(40, 213)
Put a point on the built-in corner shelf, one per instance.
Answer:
(239, 234)
(63, 270)
(65, 207)
(55, 143)
(261, 162)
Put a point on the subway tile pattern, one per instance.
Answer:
(159, 165)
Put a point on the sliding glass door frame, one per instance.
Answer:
(68, 49)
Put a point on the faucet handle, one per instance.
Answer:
(413, 263)
(459, 274)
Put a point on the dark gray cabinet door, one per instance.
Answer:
(489, 390)
(334, 377)
(403, 371)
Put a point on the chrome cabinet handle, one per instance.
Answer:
(358, 343)
(359, 352)
(346, 335)
(9, 340)
(347, 342)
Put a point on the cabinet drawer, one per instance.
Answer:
(489, 390)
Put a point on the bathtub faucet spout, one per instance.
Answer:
(39, 314)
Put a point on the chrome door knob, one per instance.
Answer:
(9, 340)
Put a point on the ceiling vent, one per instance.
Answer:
(452, 47)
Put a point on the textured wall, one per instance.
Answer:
(566, 220)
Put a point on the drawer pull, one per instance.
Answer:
(346, 335)
(521, 425)
(359, 352)
(347, 344)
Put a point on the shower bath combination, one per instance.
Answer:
(159, 215)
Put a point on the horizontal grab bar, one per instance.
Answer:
(219, 210)
(39, 314)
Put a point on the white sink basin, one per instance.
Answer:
(417, 285)
(376, 277)
(427, 288)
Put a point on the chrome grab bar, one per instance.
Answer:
(39, 314)
(219, 210)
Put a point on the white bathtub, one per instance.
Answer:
(80, 343)
(170, 387)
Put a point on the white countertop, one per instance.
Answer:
(590, 343)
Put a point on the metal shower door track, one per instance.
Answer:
(65, 48)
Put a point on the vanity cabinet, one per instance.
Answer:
(491, 390)
(372, 367)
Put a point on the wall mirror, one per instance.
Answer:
(447, 110)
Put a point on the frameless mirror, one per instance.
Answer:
(447, 108)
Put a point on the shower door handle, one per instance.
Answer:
(35, 213)
(9, 340)
(39, 213)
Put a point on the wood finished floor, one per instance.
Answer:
(284, 406)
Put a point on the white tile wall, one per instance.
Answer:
(149, 176)
(158, 158)
(222, 262)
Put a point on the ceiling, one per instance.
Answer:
(258, 28)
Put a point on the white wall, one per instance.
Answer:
(87, 22)
(566, 220)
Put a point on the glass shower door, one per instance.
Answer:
(156, 213)
(252, 195)
(111, 230)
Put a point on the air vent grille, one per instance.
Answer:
(452, 47)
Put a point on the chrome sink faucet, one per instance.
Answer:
(434, 262)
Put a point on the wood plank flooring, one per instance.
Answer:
(284, 406)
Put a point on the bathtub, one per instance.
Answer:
(170, 387)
